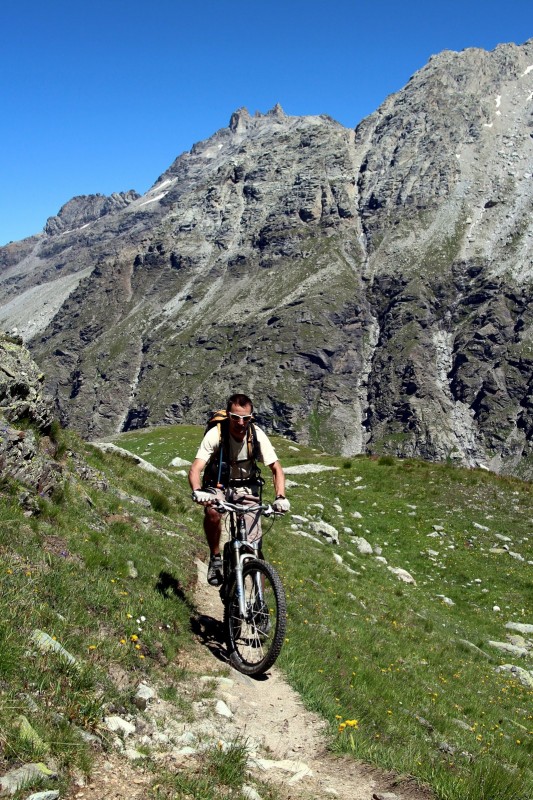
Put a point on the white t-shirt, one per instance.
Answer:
(241, 465)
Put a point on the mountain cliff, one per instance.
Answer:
(370, 288)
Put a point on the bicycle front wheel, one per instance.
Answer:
(255, 640)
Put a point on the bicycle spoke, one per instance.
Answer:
(256, 639)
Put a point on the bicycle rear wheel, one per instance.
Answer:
(255, 640)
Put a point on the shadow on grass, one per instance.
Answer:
(167, 584)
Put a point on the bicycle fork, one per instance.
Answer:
(239, 560)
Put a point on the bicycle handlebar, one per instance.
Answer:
(265, 510)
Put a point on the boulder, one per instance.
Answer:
(326, 530)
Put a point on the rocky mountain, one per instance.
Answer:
(370, 288)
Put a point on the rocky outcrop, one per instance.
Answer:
(22, 396)
(371, 289)
(81, 211)
(26, 453)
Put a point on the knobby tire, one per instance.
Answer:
(254, 643)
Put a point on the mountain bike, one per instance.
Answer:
(255, 610)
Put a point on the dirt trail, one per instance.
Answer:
(271, 712)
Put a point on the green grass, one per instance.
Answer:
(393, 656)
(228, 765)
(66, 572)
(417, 674)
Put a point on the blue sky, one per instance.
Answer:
(102, 96)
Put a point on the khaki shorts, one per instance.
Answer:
(252, 520)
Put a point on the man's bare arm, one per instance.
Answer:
(279, 478)
(195, 473)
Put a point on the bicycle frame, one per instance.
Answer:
(241, 549)
(255, 607)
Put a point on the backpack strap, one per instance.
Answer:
(213, 476)
(223, 444)
(254, 450)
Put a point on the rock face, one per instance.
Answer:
(371, 289)
(26, 455)
(21, 386)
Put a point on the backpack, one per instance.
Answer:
(217, 470)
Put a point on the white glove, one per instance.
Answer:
(281, 505)
(202, 497)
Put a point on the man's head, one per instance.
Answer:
(239, 408)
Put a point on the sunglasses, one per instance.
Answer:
(242, 417)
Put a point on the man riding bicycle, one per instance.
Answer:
(228, 456)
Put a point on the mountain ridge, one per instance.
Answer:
(370, 288)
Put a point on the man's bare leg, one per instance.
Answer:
(213, 529)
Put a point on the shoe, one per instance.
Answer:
(262, 618)
(215, 574)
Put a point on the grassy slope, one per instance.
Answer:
(65, 571)
(361, 645)
(396, 657)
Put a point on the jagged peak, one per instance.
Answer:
(240, 120)
(276, 111)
